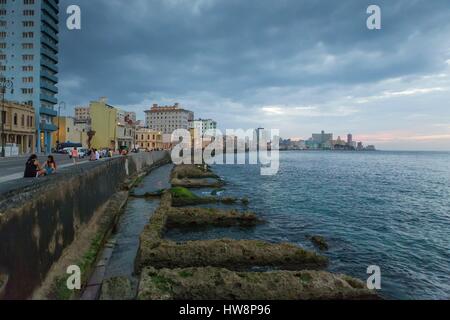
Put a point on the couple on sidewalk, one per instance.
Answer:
(33, 169)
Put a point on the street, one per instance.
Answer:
(13, 168)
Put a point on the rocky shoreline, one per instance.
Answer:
(224, 268)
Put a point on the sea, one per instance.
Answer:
(385, 209)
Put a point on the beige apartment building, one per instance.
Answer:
(18, 129)
(148, 139)
(167, 119)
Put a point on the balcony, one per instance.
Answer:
(50, 11)
(54, 5)
(50, 44)
(50, 22)
(48, 127)
(48, 111)
(48, 99)
(49, 32)
(49, 87)
(49, 54)
(49, 65)
(47, 75)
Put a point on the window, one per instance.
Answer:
(27, 68)
(28, 35)
(27, 90)
(23, 121)
(27, 57)
(28, 23)
(27, 79)
(15, 119)
(28, 12)
(27, 46)
(28, 1)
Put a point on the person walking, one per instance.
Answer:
(74, 154)
(97, 155)
(93, 155)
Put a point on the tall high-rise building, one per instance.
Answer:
(324, 140)
(350, 139)
(29, 57)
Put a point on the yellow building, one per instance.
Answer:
(69, 132)
(17, 122)
(148, 139)
(103, 125)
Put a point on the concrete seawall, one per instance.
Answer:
(39, 218)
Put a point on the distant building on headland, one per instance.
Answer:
(324, 141)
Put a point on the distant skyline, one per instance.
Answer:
(298, 66)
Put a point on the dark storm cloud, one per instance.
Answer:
(137, 50)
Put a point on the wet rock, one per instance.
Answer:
(118, 288)
(319, 242)
(184, 197)
(232, 254)
(197, 183)
(191, 217)
(192, 171)
(211, 283)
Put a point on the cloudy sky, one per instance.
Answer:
(296, 65)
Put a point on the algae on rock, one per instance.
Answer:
(211, 283)
(233, 254)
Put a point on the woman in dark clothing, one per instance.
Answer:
(32, 168)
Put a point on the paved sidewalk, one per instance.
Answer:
(19, 175)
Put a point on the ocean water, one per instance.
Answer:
(390, 209)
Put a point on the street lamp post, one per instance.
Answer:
(61, 105)
(4, 85)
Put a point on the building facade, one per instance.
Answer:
(148, 139)
(82, 114)
(203, 125)
(167, 119)
(18, 127)
(29, 58)
(324, 140)
(125, 130)
(103, 125)
(69, 132)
